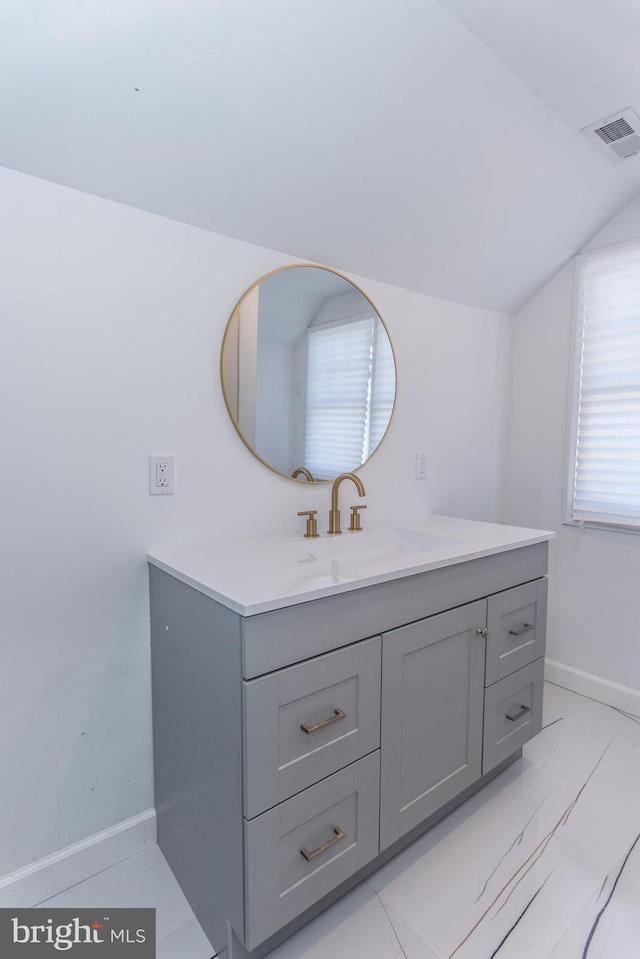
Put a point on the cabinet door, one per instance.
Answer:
(306, 722)
(516, 624)
(299, 851)
(432, 704)
(512, 713)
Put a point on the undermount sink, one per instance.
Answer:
(375, 546)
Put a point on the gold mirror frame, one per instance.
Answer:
(224, 367)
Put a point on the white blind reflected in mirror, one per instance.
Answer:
(383, 388)
(605, 471)
(350, 394)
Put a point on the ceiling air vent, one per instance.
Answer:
(618, 135)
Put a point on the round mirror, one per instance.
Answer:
(308, 373)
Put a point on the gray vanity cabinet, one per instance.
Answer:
(298, 748)
(432, 707)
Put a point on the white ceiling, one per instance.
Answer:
(582, 57)
(385, 137)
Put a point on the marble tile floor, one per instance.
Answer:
(544, 863)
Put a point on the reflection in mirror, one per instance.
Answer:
(308, 373)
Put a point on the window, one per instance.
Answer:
(603, 475)
(350, 394)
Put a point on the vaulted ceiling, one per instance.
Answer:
(433, 145)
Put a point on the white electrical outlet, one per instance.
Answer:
(161, 475)
(421, 466)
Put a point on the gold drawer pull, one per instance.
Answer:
(519, 630)
(339, 834)
(519, 711)
(325, 722)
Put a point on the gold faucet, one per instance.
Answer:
(305, 472)
(334, 513)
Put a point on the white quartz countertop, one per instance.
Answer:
(254, 576)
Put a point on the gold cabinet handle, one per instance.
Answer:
(519, 630)
(517, 712)
(338, 714)
(339, 834)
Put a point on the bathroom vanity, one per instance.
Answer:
(319, 703)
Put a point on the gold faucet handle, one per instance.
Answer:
(354, 525)
(312, 523)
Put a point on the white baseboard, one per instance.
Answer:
(47, 877)
(595, 687)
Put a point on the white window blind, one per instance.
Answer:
(350, 394)
(383, 388)
(604, 468)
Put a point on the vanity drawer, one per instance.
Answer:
(512, 713)
(303, 723)
(516, 629)
(302, 849)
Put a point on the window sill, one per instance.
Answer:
(603, 525)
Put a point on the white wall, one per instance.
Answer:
(272, 404)
(112, 322)
(594, 601)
